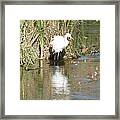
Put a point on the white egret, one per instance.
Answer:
(58, 43)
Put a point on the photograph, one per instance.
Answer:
(59, 59)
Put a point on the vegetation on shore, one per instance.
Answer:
(36, 35)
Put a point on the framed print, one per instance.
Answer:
(59, 59)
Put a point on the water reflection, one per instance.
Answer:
(59, 83)
(68, 80)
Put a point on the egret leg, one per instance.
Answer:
(54, 56)
(58, 56)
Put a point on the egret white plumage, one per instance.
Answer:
(59, 43)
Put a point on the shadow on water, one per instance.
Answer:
(66, 80)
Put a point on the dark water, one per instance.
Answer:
(71, 80)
